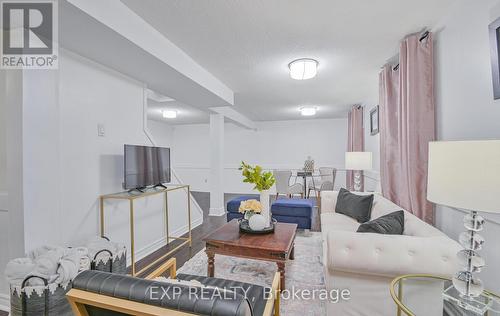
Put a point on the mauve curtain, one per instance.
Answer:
(407, 125)
(355, 140)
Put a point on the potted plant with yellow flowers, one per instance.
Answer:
(263, 181)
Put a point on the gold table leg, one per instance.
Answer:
(132, 250)
(189, 215)
(400, 295)
(166, 216)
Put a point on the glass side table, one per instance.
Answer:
(429, 295)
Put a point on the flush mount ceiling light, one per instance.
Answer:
(304, 68)
(170, 114)
(308, 110)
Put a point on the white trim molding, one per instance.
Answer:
(216, 211)
(5, 303)
(157, 244)
(4, 196)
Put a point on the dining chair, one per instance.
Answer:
(325, 182)
(283, 186)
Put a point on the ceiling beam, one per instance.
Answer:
(157, 97)
(112, 34)
(235, 116)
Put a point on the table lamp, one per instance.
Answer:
(358, 161)
(466, 175)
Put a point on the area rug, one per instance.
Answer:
(303, 273)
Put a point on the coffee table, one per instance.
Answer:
(229, 241)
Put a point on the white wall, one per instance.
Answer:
(4, 216)
(465, 105)
(3, 145)
(162, 133)
(275, 145)
(69, 165)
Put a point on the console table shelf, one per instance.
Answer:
(131, 196)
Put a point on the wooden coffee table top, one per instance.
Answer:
(230, 235)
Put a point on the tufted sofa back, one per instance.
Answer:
(382, 206)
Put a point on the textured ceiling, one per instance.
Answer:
(248, 44)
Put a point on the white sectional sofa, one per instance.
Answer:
(366, 263)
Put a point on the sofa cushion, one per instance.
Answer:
(292, 207)
(358, 207)
(390, 224)
(233, 205)
(334, 221)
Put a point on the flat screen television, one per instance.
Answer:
(146, 166)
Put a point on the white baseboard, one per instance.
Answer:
(216, 211)
(149, 249)
(4, 303)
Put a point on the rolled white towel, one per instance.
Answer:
(83, 252)
(84, 264)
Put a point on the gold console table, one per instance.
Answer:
(131, 196)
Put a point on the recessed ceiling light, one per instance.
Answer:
(170, 114)
(308, 110)
(304, 68)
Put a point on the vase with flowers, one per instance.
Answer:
(253, 221)
(262, 181)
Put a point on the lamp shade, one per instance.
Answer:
(358, 160)
(465, 174)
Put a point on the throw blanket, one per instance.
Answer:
(98, 243)
(57, 265)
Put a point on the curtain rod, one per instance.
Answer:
(424, 36)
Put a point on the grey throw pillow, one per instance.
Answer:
(356, 206)
(390, 224)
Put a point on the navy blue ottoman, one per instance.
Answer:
(295, 211)
(234, 205)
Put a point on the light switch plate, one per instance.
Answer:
(101, 132)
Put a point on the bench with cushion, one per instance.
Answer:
(294, 211)
(97, 293)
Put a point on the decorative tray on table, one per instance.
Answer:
(245, 228)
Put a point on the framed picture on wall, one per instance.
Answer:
(374, 121)
(495, 64)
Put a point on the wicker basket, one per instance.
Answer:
(48, 299)
(113, 263)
